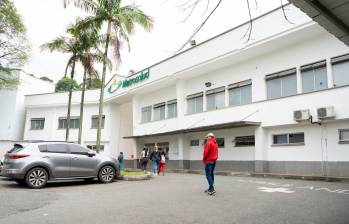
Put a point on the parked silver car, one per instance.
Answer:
(34, 164)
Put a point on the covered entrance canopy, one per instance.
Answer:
(235, 124)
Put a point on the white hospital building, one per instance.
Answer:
(278, 103)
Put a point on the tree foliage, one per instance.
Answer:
(14, 46)
(66, 84)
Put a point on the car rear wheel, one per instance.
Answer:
(36, 178)
(106, 174)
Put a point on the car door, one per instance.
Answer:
(82, 164)
(58, 158)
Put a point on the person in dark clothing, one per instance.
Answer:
(209, 158)
(155, 157)
(144, 159)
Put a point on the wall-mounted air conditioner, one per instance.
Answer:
(301, 115)
(325, 112)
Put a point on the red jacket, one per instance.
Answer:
(210, 151)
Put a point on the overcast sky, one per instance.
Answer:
(47, 19)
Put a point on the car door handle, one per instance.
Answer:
(75, 158)
(46, 157)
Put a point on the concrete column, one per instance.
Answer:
(180, 151)
(260, 151)
(330, 80)
(299, 80)
(204, 103)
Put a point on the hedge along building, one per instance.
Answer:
(276, 103)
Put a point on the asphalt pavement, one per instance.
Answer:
(178, 198)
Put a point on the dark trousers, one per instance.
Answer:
(209, 170)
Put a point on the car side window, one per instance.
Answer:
(77, 149)
(57, 148)
(42, 148)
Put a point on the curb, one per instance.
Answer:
(135, 178)
(273, 175)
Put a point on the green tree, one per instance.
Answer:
(66, 84)
(93, 83)
(14, 46)
(121, 22)
(67, 45)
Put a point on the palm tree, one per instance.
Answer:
(88, 54)
(121, 21)
(66, 45)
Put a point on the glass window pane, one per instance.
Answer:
(234, 96)
(320, 78)
(273, 88)
(280, 139)
(191, 106)
(199, 104)
(172, 110)
(308, 81)
(341, 73)
(289, 85)
(296, 138)
(210, 102)
(220, 142)
(246, 94)
(344, 135)
(57, 148)
(219, 100)
(77, 149)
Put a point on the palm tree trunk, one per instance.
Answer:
(82, 106)
(101, 98)
(69, 104)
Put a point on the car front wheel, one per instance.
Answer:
(106, 174)
(36, 178)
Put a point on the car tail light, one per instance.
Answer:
(16, 156)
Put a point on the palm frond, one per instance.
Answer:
(86, 5)
(59, 44)
(135, 15)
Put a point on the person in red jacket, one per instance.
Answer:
(209, 158)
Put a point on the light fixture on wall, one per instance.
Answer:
(192, 43)
(208, 84)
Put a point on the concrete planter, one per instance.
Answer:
(146, 176)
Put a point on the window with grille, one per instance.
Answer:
(37, 123)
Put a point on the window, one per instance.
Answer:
(57, 148)
(94, 147)
(42, 148)
(340, 70)
(195, 103)
(281, 84)
(172, 108)
(288, 139)
(195, 142)
(344, 136)
(37, 123)
(220, 142)
(159, 111)
(146, 114)
(240, 93)
(77, 149)
(314, 77)
(244, 141)
(74, 122)
(94, 121)
(215, 98)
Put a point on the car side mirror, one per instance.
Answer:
(91, 154)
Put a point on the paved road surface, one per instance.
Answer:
(178, 198)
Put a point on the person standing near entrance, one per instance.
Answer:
(121, 160)
(155, 157)
(209, 158)
(144, 159)
(162, 162)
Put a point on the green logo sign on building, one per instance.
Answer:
(117, 84)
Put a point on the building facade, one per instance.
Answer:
(277, 103)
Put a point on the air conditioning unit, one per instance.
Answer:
(301, 115)
(325, 112)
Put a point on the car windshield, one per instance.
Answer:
(16, 148)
